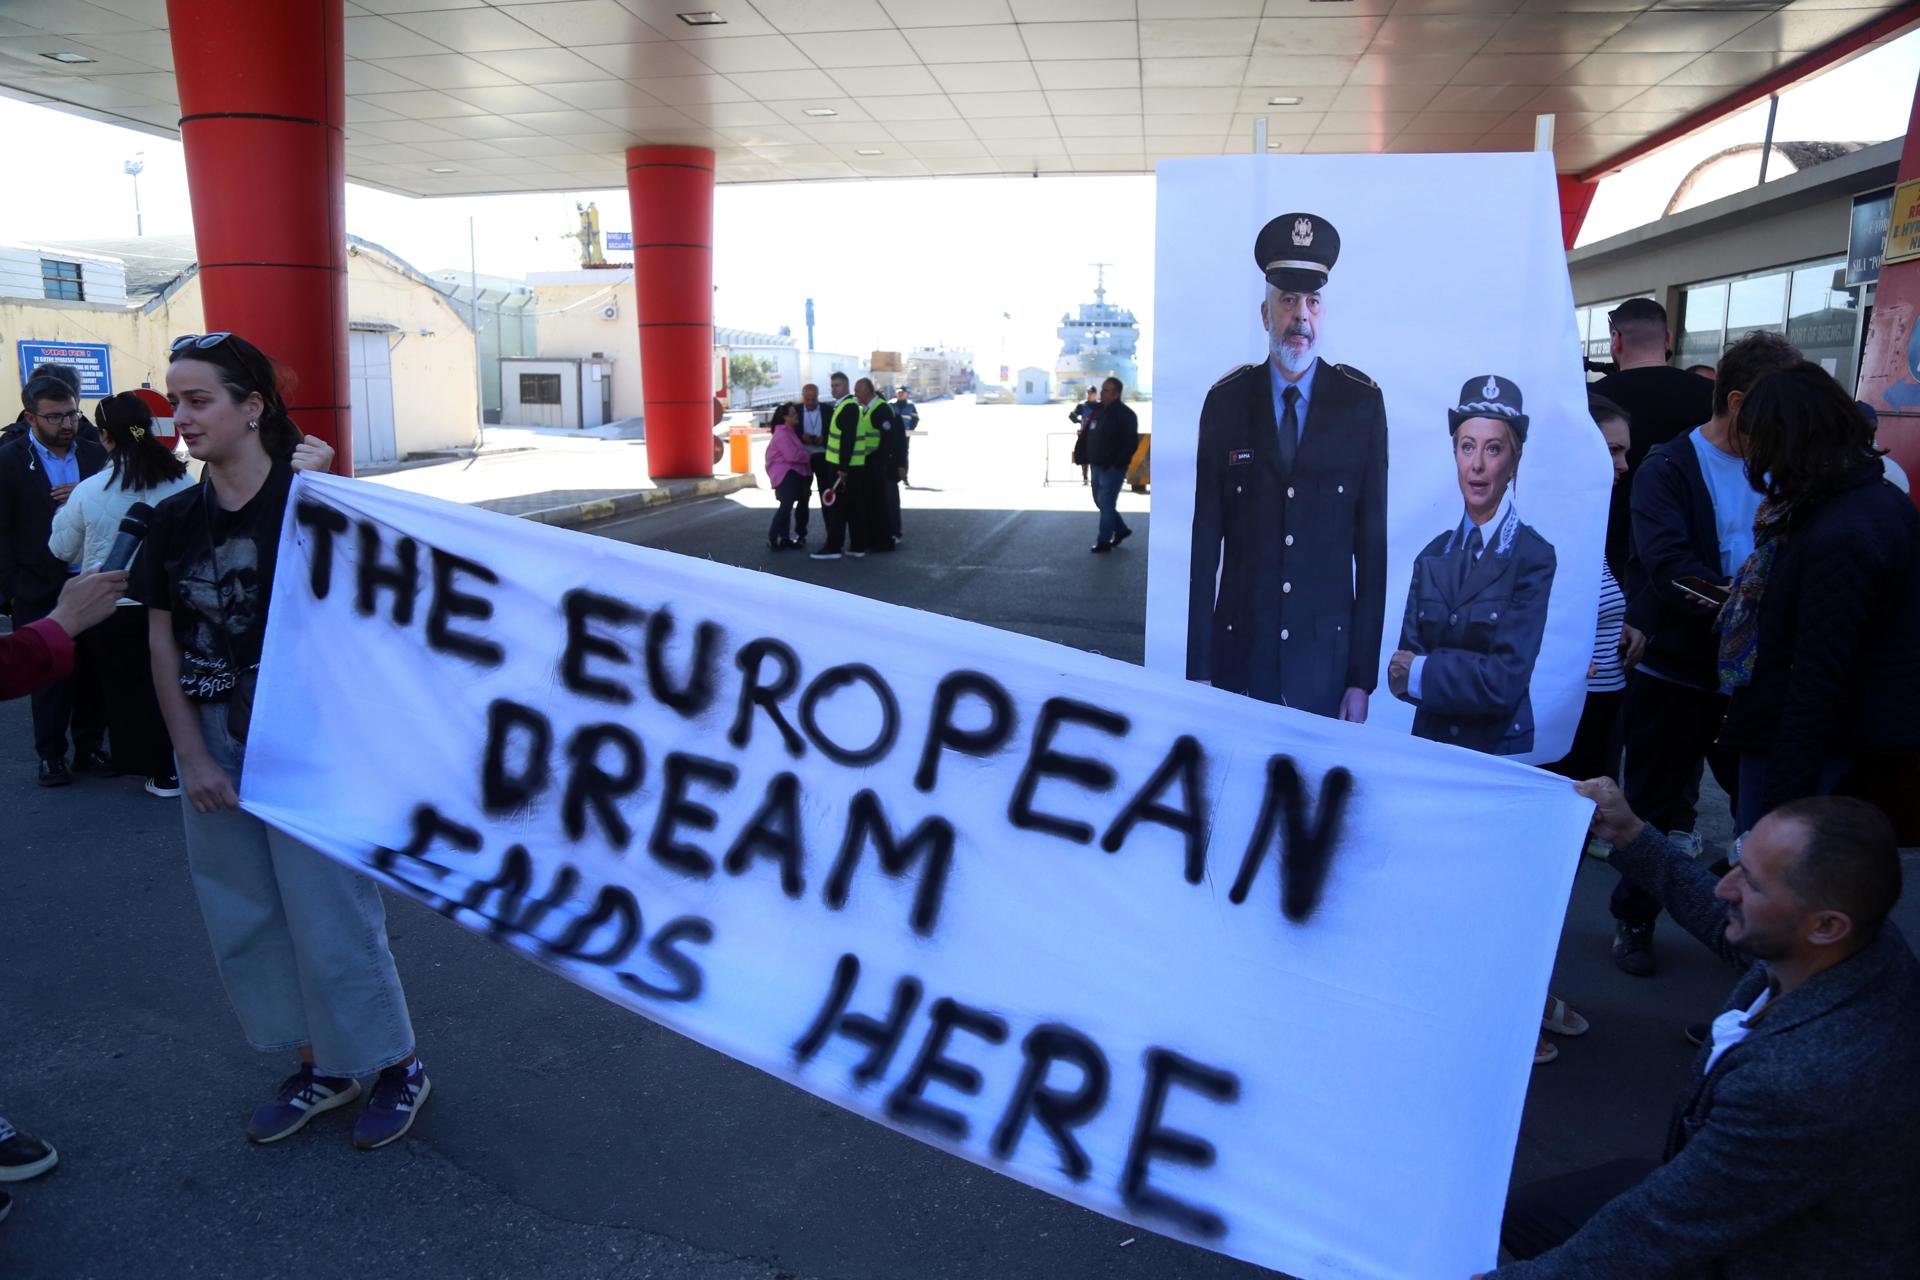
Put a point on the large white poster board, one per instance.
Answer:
(1154, 948)
(1450, 280)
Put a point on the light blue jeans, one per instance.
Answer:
(300, 940)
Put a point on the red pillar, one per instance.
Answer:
(1576, 197)
(1888, 378)
(262, 99)
(671, 191)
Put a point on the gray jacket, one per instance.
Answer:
(1798, 1155)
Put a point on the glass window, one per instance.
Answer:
(1759, 302)
(1703, 324)
(539, 388)
(1821, 318)
(62, 280)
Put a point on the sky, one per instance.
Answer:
(986, 263)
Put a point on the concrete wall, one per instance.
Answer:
(435, 395)
(571, 324)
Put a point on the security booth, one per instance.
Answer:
(556, 392)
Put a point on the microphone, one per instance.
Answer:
(133, 530)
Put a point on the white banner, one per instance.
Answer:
(1442, 287)
(1248, 977)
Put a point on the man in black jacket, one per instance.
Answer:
(1795, 1150)
(1116, 434)
(38, 469)
(1661, 401)
(1290, 504)
(1693, 515)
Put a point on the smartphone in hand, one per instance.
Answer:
(1711, 594)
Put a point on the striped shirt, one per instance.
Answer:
(1606, 675)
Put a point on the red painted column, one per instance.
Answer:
(671, 191)
(1890, 369)
(262, 100)
(1576, 197)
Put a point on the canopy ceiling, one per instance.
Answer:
(454, 97)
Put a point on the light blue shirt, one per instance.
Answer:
(1735, 504)
(59, 470)
(1280, 384)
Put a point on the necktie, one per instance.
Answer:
(1289, 428)
(1471, 553)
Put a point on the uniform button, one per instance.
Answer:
(1339, 488)
(1494, 616)
(1289, 539)
(1239, 489)
(1286, 586)
(1283, 633)
(1229, 626)
(1452, 618)
(1289, 491)
(1453, 731)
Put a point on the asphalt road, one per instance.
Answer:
(566, 1137)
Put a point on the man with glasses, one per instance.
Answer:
(67, 374)
(38, 469)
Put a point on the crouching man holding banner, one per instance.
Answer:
(1795, 1150)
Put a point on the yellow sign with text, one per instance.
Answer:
(1903, 228)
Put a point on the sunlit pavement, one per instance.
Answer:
(569, 1138)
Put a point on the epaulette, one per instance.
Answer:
(1243, 369)
(1357, 376)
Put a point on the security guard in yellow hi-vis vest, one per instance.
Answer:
(1288, 580)
(859, 449)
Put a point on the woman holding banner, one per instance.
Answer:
(301, 941)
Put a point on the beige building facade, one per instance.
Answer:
(414, 375)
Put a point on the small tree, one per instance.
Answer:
(749, 373)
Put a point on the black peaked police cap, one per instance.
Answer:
(1491, 396)
(1296, 251)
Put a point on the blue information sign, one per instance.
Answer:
(617, 240)
(90, 358)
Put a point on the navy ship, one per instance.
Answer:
(1098, 343)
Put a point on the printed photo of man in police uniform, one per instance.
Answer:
(1287, 586)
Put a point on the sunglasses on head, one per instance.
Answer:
(201, 341)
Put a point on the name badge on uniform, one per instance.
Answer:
(1239, 457)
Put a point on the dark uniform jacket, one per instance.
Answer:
(1675, 535)
(1301, 556)
(28, 571)
(1798, 1153)
(1480, 637)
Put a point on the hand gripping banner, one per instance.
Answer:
(1163, 951)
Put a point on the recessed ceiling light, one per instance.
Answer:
(65, 56)
(819, 111)
(1284, 100)
(866, 151)
(441, 169)
(702, 18)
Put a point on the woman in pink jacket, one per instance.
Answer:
(791, 474)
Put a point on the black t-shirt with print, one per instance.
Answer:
(219, 617)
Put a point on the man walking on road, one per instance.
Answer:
(1116, 434)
